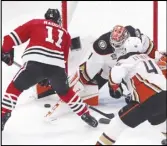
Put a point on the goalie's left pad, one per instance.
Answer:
(89, 93)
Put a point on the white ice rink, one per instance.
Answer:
(27, 125)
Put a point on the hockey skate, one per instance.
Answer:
(5, 119)
(89, 120)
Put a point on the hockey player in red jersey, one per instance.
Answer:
(45, 56)
(147, 85)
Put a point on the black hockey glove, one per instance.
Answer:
(138, 33)
(116, 94)
(133, 32)
(44, 83)
(128, 98)
(8, 57)
(75, 43)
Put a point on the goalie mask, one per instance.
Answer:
(118, 36)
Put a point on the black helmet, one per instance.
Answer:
(53, 14)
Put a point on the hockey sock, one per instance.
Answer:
(10, 98)
(105, 140)
(75, 102)
(112, 132)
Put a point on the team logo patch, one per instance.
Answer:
(102, 44)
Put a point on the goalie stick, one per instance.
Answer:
(51, 111)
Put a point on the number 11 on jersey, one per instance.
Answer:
(50, 36)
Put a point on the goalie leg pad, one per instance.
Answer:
(84, 77)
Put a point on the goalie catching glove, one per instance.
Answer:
(8, 57)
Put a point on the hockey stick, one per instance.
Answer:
(17, 64)
(107, 121)
(49, 113)
(109, 116)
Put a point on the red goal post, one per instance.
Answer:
(64, 14)
(155, 23)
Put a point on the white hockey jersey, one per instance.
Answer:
(141, 74)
